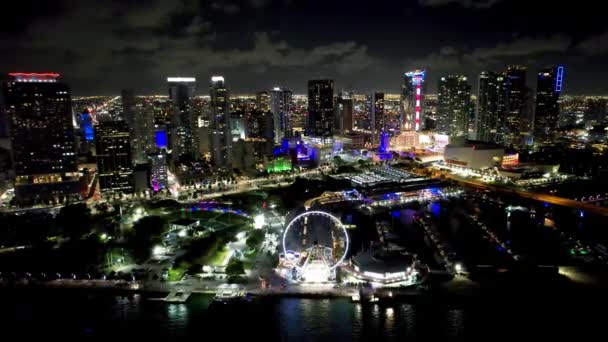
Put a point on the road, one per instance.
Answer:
(564, 202)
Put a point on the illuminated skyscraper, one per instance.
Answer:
(221, 138)
(320, 109)
(281, 106)
(344, 113)
(184, 132)
(412, 99)
(86, 125)
(158, 170)
(39, 110)
(454, 105)
(491, 110)
(139, 116)
(377, 116)
(516, 105)
(114, 165)
(546, 115)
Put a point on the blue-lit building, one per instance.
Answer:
(160, 138)
(548, 89)
(86, 125)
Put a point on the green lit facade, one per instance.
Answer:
(278, 165)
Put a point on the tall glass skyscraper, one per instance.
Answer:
(114, 165)
(491, 110)
(454, 105)
(39, 110)
(281, 106)
(378, 119)
(320, 109)
(548, 88)
(344, 113)
(139, 116)
(516, 104)
(221, 137)
(184, 122)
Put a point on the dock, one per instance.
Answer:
(176, 296)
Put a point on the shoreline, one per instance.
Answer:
(459, 292)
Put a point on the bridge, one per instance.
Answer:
(561, 201)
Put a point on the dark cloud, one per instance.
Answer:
(595, 45)
(103, 46)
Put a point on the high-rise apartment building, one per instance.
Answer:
(377, 116)
(221, 137)
(491, 107)
(114, 164)
(320, 109)
(516, 103)
(184, 122)
(139, 115)
(454, 105)
(344, 113)
(281, 106)
(546, 115)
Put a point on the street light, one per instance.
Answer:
(259, 221)
(458, 268)
(158, 250)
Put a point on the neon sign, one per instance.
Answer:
(559, 79)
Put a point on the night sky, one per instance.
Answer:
(101, 47)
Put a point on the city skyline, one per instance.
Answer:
(138, 44)
(305, 170)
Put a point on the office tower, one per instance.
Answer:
(320, 109)
(158, 170)
(184, 122)
(377, 116)
(262, 101)
(221, 139)
(344, 113)
(516, 103)
(454, 105)
(260, 132)
(412, 99)
(114, 165)
(139, 116)
(491, 107)
(281, 106)
(39, 110)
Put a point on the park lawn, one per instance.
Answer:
(176, 274)
(218, 257)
